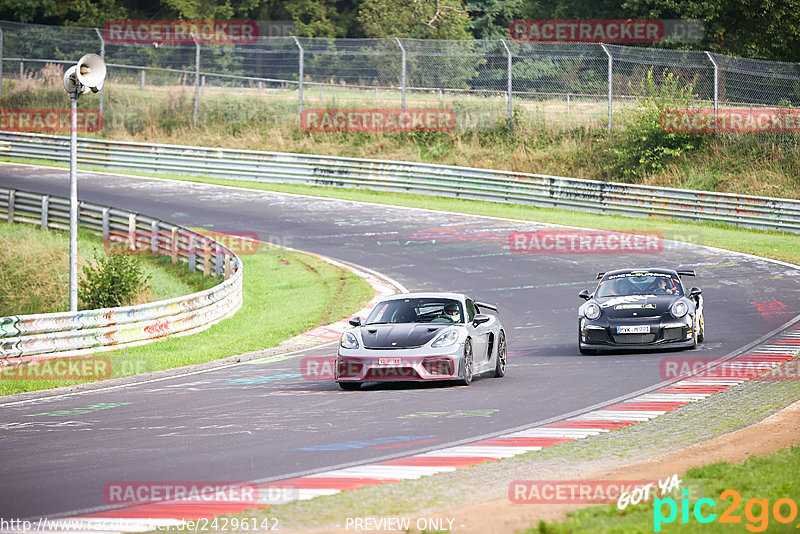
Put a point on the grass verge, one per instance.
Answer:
(35, 278)
(755, 486)
(285, 294)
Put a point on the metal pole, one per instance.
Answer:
(403, 71)
(103, 56)
(196, 78)
(610, 83)
(73, 200)
(141, 83)
(301, 61)
(510, 63)
(716, 87)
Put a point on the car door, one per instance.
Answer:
(480, 336)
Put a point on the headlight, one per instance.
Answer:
(445, 339)
(678, 309)
(348, 341)
(591, 311)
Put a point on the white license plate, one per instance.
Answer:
(389, 361)
(637, 329)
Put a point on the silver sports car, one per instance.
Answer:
(422, 336)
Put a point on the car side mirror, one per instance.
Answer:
(585, 295)
(695, 291)
(355, 321)
(480, 319)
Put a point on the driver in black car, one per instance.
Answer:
(662, 286)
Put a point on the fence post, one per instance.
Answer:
(510, 64)
(174, 245)
(132, 231)
(716, 87)
(1, 63)
(21, 69)
(141, 83)
(154, 248)
(196, 78)
(11, 195)
(403, 71)
(192, 252)
(105, 223)
(103, 56)
(610, 83)
(45, 209)
(301, 61)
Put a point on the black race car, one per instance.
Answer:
(640, 309)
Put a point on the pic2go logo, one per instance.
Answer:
(756, 511)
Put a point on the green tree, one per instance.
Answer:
(490, 18)
(765, 29)
(422, 19)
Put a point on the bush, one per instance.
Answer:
(112, 280)
(643, 147)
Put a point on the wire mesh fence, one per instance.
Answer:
(485, 82)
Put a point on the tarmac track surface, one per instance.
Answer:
(264, 421)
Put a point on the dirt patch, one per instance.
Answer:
(500, 516)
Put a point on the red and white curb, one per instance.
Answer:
(760, 359)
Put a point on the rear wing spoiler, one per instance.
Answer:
(487, 306)
(689, 272)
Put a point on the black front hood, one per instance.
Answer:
(398, 336)
(636, 306)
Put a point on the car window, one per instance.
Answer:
(470, 310)
(639, 283)
(417, 310)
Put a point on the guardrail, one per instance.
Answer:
(439, 180)
(82, 332)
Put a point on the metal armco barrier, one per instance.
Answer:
(438, 180)
(73, 333)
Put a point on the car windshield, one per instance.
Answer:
(621, 285)
(417, 310)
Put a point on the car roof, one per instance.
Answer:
(626, 271)
(431, 294)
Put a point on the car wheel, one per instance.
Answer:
(500, 367)
(701, 331)
(467, 366)
(350, 386)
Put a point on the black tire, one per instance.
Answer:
(500, 367)
(701, 331)
(350, 386)
(467, 367)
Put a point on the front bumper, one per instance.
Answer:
(677, 333)
(396, 365)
